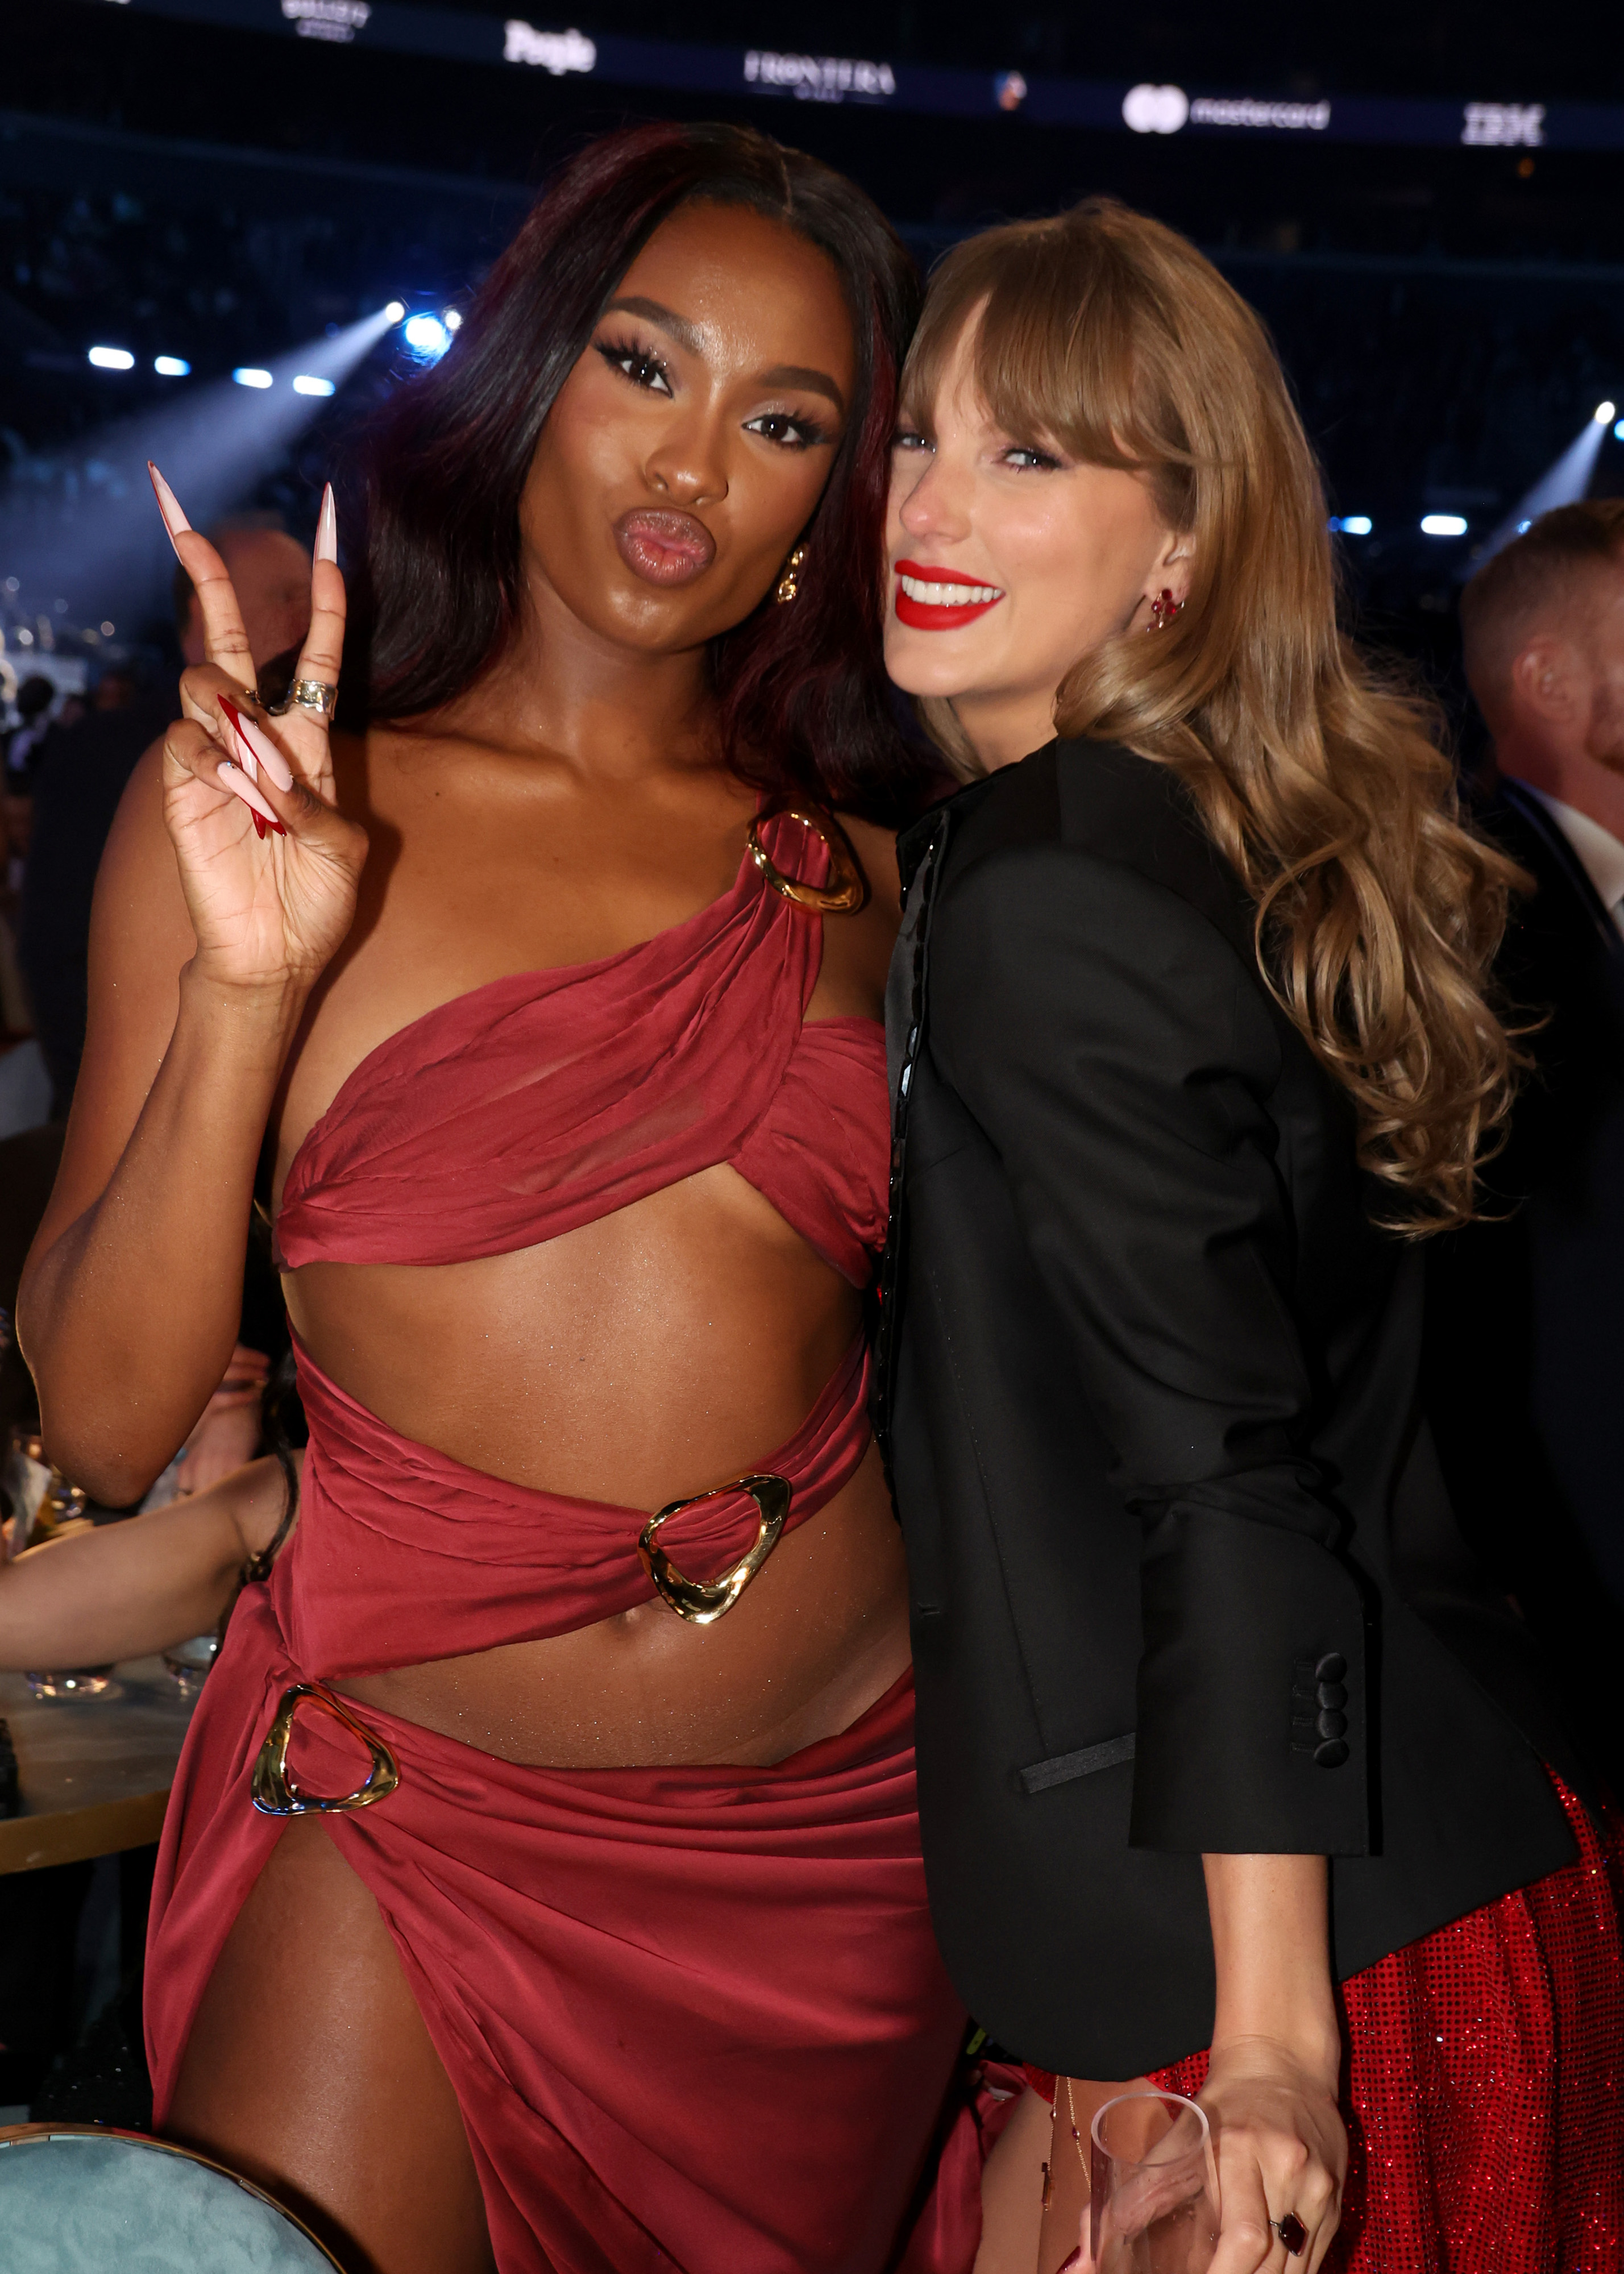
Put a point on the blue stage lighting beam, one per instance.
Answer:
(1562, 484)
(107, 550)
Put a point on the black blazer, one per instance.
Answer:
(1525, 1312)
(1184, 1573)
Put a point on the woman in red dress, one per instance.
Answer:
(1215, 1708)
(542, 1885)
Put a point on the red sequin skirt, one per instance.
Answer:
(1484, 2094)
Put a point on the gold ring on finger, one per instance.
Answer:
(310, 695)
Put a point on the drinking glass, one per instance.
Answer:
(42, 1505)
(1154, 2187)
(188, 1662)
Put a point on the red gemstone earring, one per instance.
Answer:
(1163, 608)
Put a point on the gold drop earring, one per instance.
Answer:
(789, 582)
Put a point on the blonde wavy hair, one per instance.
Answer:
(1379, 913)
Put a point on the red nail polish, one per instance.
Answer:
(277, 826)
(258, 820)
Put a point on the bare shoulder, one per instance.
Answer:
(877, 848)
(857, 948)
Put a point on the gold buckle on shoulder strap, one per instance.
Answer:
(272, 1790)
(703, 1600)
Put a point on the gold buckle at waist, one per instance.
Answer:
(272, 1790)
(702, 1601)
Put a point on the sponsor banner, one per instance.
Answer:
(563, 52)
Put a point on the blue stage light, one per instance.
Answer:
(1351, 524)
(306, 384)
(454, 319)
(1618, 431)
(250, 375)
(112, 359)
(427, 336)
(171, 367)
(1604, 413)
(396, 309)
(1443, 524)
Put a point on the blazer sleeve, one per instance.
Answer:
(1119, 1056)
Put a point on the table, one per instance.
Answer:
(94, 1772)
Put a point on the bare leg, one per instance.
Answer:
(309, 2070)
(1012, 2191)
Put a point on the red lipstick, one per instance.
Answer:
(663, 546)
(962, 599)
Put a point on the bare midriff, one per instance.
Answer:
(635, 1360)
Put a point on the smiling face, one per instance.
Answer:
(1009, 561)
(690, 444)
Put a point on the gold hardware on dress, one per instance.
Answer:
(847, 888)
(272, 1790)
(704, 1601)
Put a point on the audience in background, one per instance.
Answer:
(78, 776)
(1527, 1311)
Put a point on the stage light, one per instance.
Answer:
(453, 320)
(1562, 482)
(306, 383)
(171, 367)
(1350, 524)
(1443, 524)
(427, 337)
(106, 630)
(1618, 431)
(248, 374)
(213, 439)
(396, 309)
(1523, 526)
(112, 359)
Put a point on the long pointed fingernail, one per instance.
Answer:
(233, 777)
(168, 505)
(326, 528)
(258, 748)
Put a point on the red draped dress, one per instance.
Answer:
(694, 2017)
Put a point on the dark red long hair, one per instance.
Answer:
(801, 689)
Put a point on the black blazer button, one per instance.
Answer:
(1332, 1754)
(1332, 1667)
(1333, 1693)
(1332, 1724)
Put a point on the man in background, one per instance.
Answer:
(1526, 1314)
(79, 775)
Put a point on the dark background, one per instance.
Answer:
(1450, 317)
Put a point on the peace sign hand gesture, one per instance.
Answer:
(268, 865)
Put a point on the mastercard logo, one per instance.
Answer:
(1156, 110)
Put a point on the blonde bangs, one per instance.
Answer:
(1060, 327)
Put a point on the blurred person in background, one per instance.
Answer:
(1526, 1313)
(270, 575)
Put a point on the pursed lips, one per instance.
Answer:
(928, 599)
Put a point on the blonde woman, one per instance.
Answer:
(1215, 1711)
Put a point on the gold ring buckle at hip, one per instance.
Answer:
(703, 1600)
(272, 1790)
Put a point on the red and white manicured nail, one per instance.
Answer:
(168, 505)
(257, 748)
(326, 528)
(232, 778)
